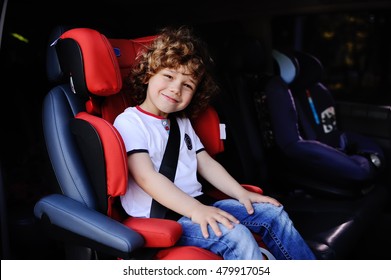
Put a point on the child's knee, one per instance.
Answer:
(241, 234)
(270, 210)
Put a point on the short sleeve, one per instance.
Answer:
(130, 127)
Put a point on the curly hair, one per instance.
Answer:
(174, 48)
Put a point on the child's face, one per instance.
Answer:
(169, 90)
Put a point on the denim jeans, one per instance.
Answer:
(272, 223)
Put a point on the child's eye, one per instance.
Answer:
(168, 76)
(189, 86)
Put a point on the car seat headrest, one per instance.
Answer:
(53, 69)
(285, 66)
(311, 69)
(127, 50)
(87, 58)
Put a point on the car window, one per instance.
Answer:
(352, 47)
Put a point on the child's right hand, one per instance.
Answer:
(208, 215)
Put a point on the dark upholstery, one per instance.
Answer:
(331, 224)
(309, 144)
(309, 81)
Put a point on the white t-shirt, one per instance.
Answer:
(145, 132)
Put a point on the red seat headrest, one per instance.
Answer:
(209, 129)
(88, 58)
(127, 50)
(97, 66)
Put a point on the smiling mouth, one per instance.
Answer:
(170, 98)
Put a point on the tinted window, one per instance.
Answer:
(353, 48)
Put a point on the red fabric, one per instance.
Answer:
(253, 188)
(115, 104)
(157, 233)
(93, 107)
(126, 55)
(128, 50)
(102, 75)
(115, 154)
(144, 41)
(207, 127)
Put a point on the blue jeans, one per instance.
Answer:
(272, 223)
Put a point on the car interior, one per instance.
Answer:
(296, 126)
(309, 139)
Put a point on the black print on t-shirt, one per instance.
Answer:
(188, 142)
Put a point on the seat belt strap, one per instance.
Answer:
(168, 165)
(312, 106)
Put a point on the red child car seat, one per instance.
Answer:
(88, 155)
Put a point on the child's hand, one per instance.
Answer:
(248, 198)
(208, 215)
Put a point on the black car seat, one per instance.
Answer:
(331, 225)
(89, 159)
(311, 150)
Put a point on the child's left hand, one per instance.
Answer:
(247, 198)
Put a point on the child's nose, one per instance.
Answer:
(175, 88)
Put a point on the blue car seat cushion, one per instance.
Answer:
(308, 140)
